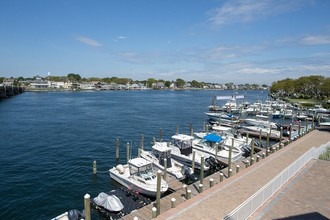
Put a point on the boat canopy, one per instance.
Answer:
(213, 138)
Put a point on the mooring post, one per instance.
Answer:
(127, 151)
(200, 188)
(306, 129)
(260, 136)
(142, 141)
(202, 170)
(160, 134)
(87, 206)
(299, 127)
(229, 156)
(280, 143)
(258, 158)
(252, 151)
(139, 152)
(270, 130)
(221, 177)
(247, 137)
(153, 141)
(237, 168)
(290, 134)
(154, 212)
(173, 203)
(230, 172)
(177, 129)
(117, 149)
(165, 168)
(188, 194)
(159, 178)
(313, 127)
(94, 167)
(267, 145)
(191, 129)
(263, 155)
(193, 161)
(211, 182)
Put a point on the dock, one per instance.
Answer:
(229, 192)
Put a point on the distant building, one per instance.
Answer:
(9, 81)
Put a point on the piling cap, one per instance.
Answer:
(87, 196)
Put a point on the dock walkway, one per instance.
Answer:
(225, 196)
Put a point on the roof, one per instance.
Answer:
(161, 147)
(139, 162)
(182, 137)
(213, 138)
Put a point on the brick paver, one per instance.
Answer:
(218, 201)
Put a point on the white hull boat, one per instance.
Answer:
(161, 152)
(138, 175)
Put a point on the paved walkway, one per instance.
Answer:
(306, 196)
(218, 201)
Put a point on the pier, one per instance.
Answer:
(8, 91)
(221, 194)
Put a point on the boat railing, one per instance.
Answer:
(248, 207)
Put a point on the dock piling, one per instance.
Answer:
(159, 178)
(173, 203)
(87, 206)
(252, 151)
(127, 151)
(202, 170)
(237, 168)
(154, 212)
(221, 177)
(142, 141)
(165, 168)
(160, 134)
(200, 188)
(117, 149)
(94, 167)
(211, 182)
(193, 161)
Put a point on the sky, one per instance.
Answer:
(218, 41)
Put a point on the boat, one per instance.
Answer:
(276, 114)
(161, 151)
(263, 130)
(324, 126)
(213, 145)
(182, 151)
(261, 123)
(288, 113)
(138, 175)
(109, 202)
(226, 118)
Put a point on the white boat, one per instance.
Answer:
(138, 175)
(160, 152)
(213, 145)
(182, 151)
(324, 126)
(288, 113)
(224, 118)
(263, 130)
(260, 123)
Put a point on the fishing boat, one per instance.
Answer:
(182, 151)
(213, 145)
(261, 123)
(160, 153)
(138, 175)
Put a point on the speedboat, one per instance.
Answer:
(138, 175)
(213, 145)
(263, 130)
(261, 123)
(160, 152)
(324, 126)
(182, 151)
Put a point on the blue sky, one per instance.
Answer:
(244, 41)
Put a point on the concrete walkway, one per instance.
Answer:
(218, 201)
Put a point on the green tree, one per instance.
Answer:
(167, 84)
(179, 83)
(150, 82)
(74, 77)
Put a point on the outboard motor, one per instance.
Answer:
(74, 214)
(258, 144)
(187, 172)
(211, 161)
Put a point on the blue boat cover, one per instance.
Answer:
(213, 138)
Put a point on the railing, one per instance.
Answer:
(247, 208)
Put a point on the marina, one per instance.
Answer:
(261, 145)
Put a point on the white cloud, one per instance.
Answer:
(239, 11)
(88, 41)
(316, 40)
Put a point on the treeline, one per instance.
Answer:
(304, 87)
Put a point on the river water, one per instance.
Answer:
(49, 140)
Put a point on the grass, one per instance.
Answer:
(325, 155)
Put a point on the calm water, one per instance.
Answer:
(49, 141)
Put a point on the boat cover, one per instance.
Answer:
(213, 138)
(111, 203)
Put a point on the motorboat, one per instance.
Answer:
(225, 118)
(161, 152)
(263, 130)
(213, 145)
(182, 151)
(138, 175)
(261, 123)
(324, 126)
(109, 202)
